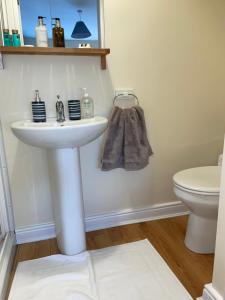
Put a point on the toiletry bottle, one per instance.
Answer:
(7, 39)
(41, 33)
(38, 109)
(87, 106)
(58, 34)
(16, 38)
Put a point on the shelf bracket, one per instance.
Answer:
(103, 62)
(1, 61)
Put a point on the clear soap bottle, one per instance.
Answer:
(87, 106)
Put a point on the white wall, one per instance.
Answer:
(171, 53)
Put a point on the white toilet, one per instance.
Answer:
(198, 188)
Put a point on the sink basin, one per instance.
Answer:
(62, 140)
(52, 135)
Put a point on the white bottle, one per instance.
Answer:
(87, 106)
(41, 33)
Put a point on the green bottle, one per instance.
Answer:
(16, 38)
(7, 39)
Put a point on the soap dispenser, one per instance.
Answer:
(41, 33)
(87, 106)
(38, 108)
(58, 34)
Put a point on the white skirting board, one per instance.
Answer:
(46, 231)
(6, 260)
(209, 293)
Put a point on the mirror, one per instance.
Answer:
(66, 10)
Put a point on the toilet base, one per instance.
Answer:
(201, 234)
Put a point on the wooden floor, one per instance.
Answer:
(167, 236)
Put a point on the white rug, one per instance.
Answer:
(132, 271)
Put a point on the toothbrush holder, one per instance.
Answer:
(39, 112)
(74, 109)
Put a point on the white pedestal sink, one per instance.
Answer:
(63, 141)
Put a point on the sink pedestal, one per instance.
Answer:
(63, 141)
(66, 188)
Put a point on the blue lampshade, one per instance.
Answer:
(80, 30)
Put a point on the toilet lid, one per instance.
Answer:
(202, 179)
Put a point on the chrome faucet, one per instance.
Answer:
(60, 115)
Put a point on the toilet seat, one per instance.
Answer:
(201, 180)
(196, 192)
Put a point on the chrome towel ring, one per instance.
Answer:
(126, 96)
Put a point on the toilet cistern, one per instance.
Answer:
(63, 143)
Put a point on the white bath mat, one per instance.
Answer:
(132, 271)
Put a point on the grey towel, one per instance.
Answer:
(126, 144)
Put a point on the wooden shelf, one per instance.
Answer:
(58, 51)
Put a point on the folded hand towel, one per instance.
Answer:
(126, 143)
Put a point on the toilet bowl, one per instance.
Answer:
(198, 189)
